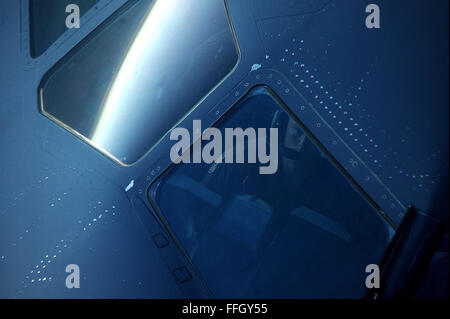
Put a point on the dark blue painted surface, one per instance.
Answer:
(47, 22)
(53, 185)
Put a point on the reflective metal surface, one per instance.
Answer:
(139, 73)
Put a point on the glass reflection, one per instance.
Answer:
(139, 73)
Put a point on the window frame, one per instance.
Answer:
(98, 29)
(153, 187)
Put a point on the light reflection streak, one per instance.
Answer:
(124, 88)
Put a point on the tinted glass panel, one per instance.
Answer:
(136, 76)
(48, 21)
(302, 232)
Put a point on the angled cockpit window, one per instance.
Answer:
(48, 21)
(126, 85)
(304, 231)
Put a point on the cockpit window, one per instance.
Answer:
(302, 232)
(126, 85)
(48, 21)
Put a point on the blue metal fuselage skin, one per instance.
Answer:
(63, 202)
